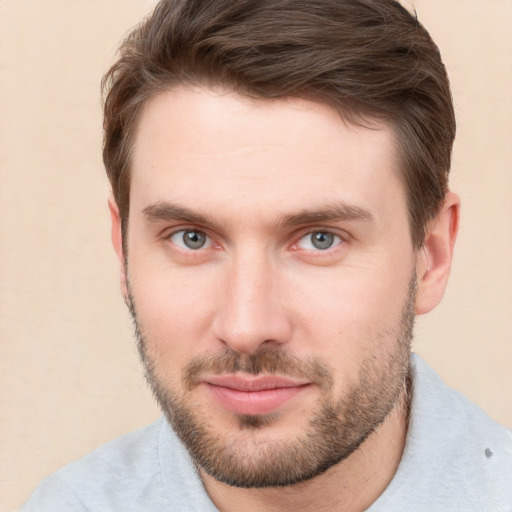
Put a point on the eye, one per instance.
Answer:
(190, 239)
(318, 241)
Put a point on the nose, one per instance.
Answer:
(252, 313)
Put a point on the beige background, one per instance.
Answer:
(69, 375)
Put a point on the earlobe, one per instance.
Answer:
(435, 258)
(117, 241)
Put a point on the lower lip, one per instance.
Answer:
(254, 402)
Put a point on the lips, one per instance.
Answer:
(253, 395)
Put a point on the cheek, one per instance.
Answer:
(174, 310)
(348, 318)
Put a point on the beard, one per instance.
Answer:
(242, 456)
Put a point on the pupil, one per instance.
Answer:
(194, 239)
(322, 240)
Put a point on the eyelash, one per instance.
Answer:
(339, 240)
(208, 239)
(209, 243)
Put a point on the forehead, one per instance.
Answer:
(206, 147)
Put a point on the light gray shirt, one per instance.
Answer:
(456, 459)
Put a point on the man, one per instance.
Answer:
(281, 213)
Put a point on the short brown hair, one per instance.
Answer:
(365, 57)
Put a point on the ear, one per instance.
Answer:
(117, 241)
(435, 258)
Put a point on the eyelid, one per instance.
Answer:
(341, 235)
(169, 236)
(172, 230)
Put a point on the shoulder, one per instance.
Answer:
(116, 473)
(453, 418)
(456, 457)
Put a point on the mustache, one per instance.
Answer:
(263, 362)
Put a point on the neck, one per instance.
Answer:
(351, 486)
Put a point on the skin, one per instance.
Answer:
(248, 171)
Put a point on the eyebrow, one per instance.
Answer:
(165, 211)
(330, 212)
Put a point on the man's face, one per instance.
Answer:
(271, 272)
